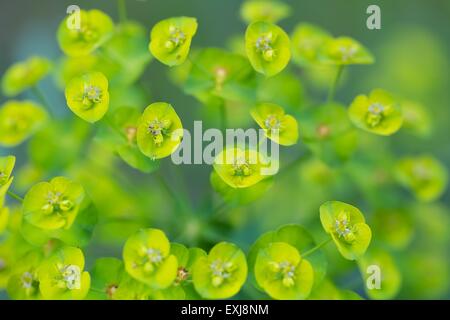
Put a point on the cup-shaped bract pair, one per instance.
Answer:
(242, 168)
(268, 47)
(344, 51)
(82, 32)
(278, 126)
(220, 73)
(307, 41)
(23, 284)
(222, 273)
(159, 130)
(283, 273)
(328, 132)
(425, 176)
(377, 113)
(148, 259)
(53, 205)
(182, 287)
(88, 96)
(6, 168)
(25, 74)
(170, 39)
(19, 120)
(62, 275)
(347, 227)
(416, 118)
(107, 276)
(264, 10)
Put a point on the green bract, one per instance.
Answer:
(23, 75)
(425, 176)
(183, 287)
(23, 283)
(264, 10)
(148, 259)
(328, 132)
(283, 273)
(278, 126)
(416, 118)
(53, 205)
(61, 276)
(378, 113)
(297, 237)
(221, 73)
(346, 226)
(159, 131)
(307, 41)
(88, 97)
(394, 227)
(377, 262)
(4, 218)
(107, 276)
(170, 39)
(267, 47)
(94, 28)
(240, 168)
(19, 120)
(6, 168)
(222, 273)
(124, 139)
(344, 51)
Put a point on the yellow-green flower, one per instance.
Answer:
(88, 96)
(95, 28)
(278, 126)
(240, 168)
(23, 284)
(53, 205)
(148, 259)
(170, 39)
(25, 74)
(425, 176)
(6, 168)
(283, 273)
(307, 41)
(61, 276)
(159, 131)
(264, 10)
(344, 51)
(416, 118)
(268, 47)
(378, 113)
(222, 273)
(346, 226)
(19, 120)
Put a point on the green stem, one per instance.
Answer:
(14, 196)
(41, 97)
(320, 245)
(333, 87)
(121, 6)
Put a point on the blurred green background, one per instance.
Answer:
(412, 51)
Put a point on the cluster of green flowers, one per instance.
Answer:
(41, 256)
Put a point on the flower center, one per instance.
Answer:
(241, 168)
(157, 129)
(347, 52)
(87, 33)
(27, 280)
(323, 131)
(91, 95)
(71, 277)
(220, 271)
(375, 114)
(285, 271)
(176, 38)
(264, 47)
(272, 123)
(221, 75)
(130, 133)
(343, 227)
(56, 202)
(151, 258)
(182, 275)
(111, 289)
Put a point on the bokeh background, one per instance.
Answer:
(412, 52)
